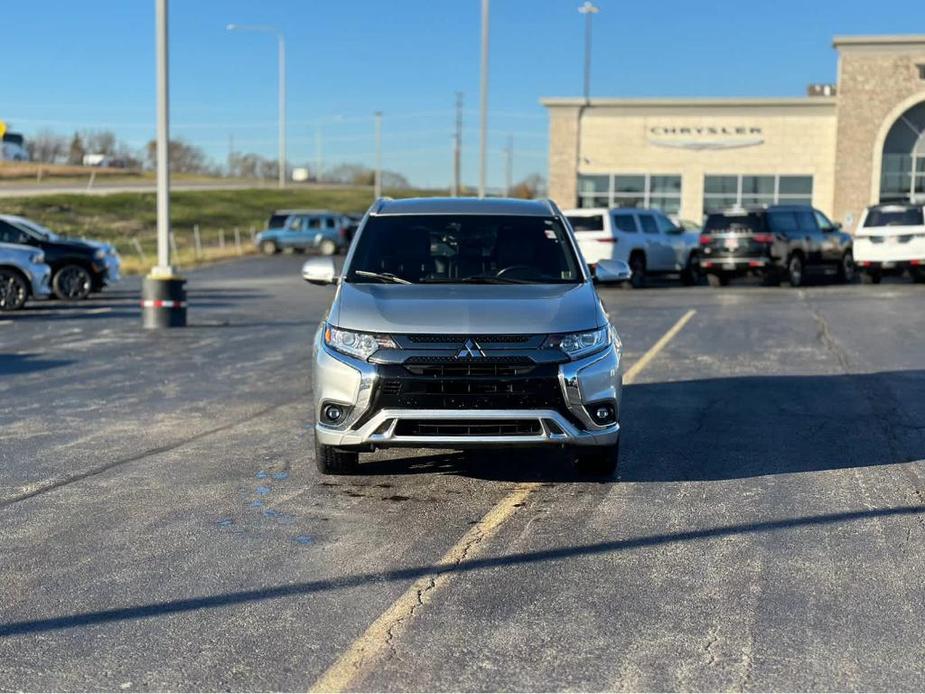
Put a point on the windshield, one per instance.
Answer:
(36, 229)
(421, 249)
(894, 217)
(277, 221)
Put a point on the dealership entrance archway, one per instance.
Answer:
(902, 172)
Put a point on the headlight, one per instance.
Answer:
(361, 345)
(580, 344)
(99, 253)
(38, 258)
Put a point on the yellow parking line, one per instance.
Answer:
(364, 653)
(644, 360)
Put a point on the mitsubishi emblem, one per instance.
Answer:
(470, 350)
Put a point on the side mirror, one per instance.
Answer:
(612, 271)
(319, 271)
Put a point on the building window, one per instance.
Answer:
(662, 191)
(902, 176)
(741, 190)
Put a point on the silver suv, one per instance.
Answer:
(462, 323)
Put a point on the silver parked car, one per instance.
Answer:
(23, 274)
(463, 323)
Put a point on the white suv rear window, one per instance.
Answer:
(894, 217)
(593, 222)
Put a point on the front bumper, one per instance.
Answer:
(40, 278)
(113, 268)
(351, 383)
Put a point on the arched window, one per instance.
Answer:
(903, 172)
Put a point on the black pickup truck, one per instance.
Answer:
(776, 243)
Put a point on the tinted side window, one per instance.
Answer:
(594, 222)
(10, 234)
(783, 222)
(823, 221)
(665, 225)
(807, 220)
(625, 222)
(314, 223)
(648, 224)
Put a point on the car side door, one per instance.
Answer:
(675, 239)
(832, 243)
(626, 232)
(806, 220)
(291, 231)
(659, 254)
(783, 224)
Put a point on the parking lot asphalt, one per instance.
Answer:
(162, 524)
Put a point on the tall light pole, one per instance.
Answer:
(483, 134)
(377, 181)
(457, 147)
(588, 9)
(281, 39)
(163, 297)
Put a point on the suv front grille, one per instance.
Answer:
(452, 367)
(460, 339)
(465, 427)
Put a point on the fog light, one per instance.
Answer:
(332, 414)
(602, 413)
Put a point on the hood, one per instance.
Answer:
(18, 250)
(467, 309)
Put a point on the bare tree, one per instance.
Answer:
(76, 150)
(184, 157)
(46, 147)
(532, 186)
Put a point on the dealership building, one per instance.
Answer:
(841, 147)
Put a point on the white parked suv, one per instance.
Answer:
(890, 239)
(649, 242)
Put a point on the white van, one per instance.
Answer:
(890, 239)
(649, 242)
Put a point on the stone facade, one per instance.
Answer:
(878, 79)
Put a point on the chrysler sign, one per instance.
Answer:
(705, 137)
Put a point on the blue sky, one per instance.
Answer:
(90, 64)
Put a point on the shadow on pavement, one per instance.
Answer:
(17, 364)
(729, 428)
(294, 590)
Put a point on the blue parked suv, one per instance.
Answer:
(302, 230)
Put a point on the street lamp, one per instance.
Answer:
(588, 10)
(483, 106)
(267, 29)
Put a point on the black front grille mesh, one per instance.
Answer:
(460, 339)
(464, 427)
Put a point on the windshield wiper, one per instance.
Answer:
(384, 276)
(477, 280)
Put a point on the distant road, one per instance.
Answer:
(22, 189)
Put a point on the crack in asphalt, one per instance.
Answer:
(48, 485)
(888, 414)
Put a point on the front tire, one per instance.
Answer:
(72, 283)
(13, 291)
(598, 461)
(638, 266)
(846, 268)
(269, 248)
(335, 461)
(795, 270)
(690, 275)
(328, 247)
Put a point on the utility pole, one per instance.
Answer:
(163, 297)
(457, 146)
(588, 10)
(509, 166)
(377, 188)
(282, 110)
(483, 134)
